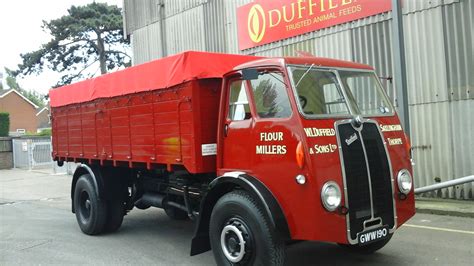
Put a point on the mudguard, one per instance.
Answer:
(95, 173)
(224, 184)
(108, 181)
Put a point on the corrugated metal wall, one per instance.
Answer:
(139, 13)
(159, 28)
(440, 56)
(186, 31)
(230, 11)
(440, 61)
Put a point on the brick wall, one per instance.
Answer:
(22, 113)
(6, 160)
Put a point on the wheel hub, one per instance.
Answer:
(85, 205)
(234, 241)
(88, 204)
(233, 245)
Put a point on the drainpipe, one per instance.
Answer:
(400, 64)
(161, 6)
(124, 20)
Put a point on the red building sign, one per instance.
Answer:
(266, 21)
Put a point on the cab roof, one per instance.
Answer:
(317, 61)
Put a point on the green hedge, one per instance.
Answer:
(4, 124)
(44, 132)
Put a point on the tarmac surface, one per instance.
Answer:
(37, 227)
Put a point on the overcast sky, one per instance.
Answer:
(20, 24)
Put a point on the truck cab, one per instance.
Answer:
(324, 138)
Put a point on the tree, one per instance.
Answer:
(33, 96)
(11, 80)
(87, 36)
(4, 124)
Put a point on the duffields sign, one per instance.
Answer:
(266, 21)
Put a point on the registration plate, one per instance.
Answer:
(373, 235)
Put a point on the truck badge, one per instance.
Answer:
(351, 139)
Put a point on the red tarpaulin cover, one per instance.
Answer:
(158, 74)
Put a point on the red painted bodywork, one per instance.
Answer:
(167, 126)
(156, 128)
(306, 216)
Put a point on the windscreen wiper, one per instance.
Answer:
(304, 75)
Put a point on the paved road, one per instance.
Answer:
(37, 227)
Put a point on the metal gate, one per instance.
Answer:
(35, 153)
(32, 153)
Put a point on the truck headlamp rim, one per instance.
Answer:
(405, 181)
(331, 196)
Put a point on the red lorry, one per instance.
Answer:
(260, 152)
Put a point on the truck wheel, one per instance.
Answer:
(367, 249)
(142, 206)
(90, 210)
(240, 233)
(115, 213)
(175, 214)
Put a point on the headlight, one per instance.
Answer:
(331, 196)
(405, 181)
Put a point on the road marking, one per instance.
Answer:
(440, 229)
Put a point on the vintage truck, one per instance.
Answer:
(260, 152)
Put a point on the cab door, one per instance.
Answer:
(259, 129)
(276, 131)
(236, 127)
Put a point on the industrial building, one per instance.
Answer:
(438, 44)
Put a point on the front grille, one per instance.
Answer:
(356, 174)
(380, 174)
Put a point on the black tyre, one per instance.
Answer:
(90, 210)
(175, 214)
(367, 249)
(241, 234)
(142, 206)
(115, 213)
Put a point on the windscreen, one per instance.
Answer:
(320, 92)
(365, 91)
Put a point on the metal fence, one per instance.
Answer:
(5, 145)
(35, 153)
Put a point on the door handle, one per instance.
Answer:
(226, 128)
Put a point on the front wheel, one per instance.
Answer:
(241, 234)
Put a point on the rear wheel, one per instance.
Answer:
(241, 234)
(90, 210)
(115, 213)
(142, 206)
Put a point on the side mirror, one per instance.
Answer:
(249, 74)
